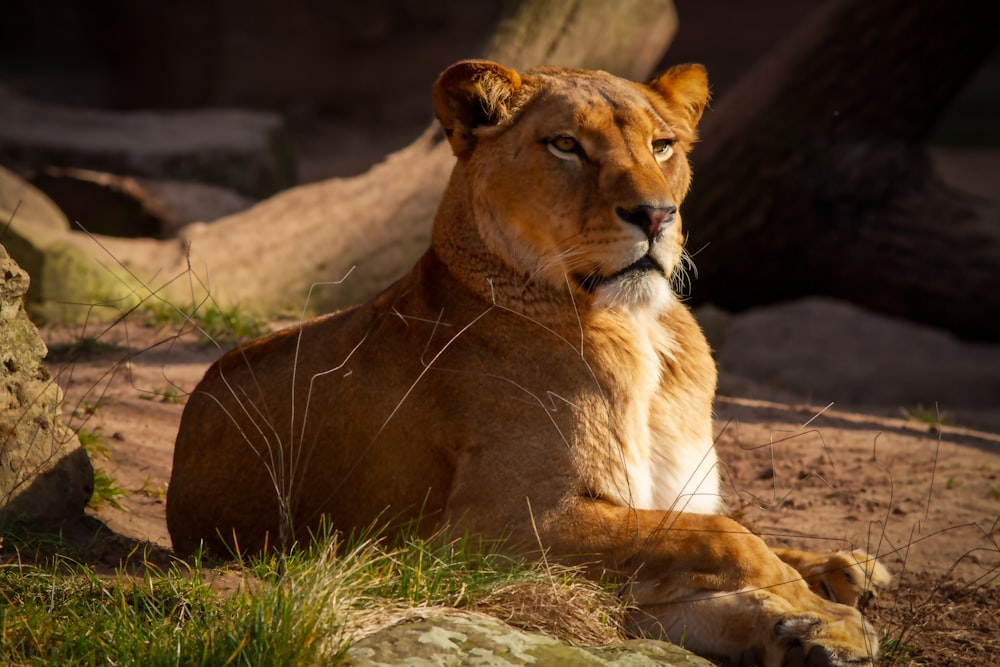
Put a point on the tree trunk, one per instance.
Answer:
(812, 178)
(624, 38)
(290, 247)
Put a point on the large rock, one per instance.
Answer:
(30, 206)
(45, 475)
(817, 350)
(37, 235)
(437, 638)
(265, 259)
(247, 151)
(117, 205)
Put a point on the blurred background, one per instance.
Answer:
(351, 77)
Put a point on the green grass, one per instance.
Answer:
(223, 326)
(87, 409)
(150, 491)
(66, 614)
(165, 395)
(895, 651)
(106, 491)
(298, 608)
(92, 441)
(929, 416)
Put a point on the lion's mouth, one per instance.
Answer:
(645, 264)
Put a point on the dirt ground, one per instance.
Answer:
(924, 496)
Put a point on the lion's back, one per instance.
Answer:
(200, 503)
(315, 422)
(231, 460)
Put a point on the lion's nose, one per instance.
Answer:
(649, 219)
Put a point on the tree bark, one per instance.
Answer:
(624, 38)
(812, 177)
(291, 251)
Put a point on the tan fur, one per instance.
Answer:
(517, 384)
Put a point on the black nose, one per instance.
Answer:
(649, 219)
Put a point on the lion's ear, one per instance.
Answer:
(471, 94)
(685, 87)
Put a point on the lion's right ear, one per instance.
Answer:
(471, 94)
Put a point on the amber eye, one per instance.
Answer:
(564, 144)
(662, 148)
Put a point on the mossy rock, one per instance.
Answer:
(436, 638)
(63, 270)
(45, 474)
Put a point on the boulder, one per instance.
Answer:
(268, 258)
(117, 205)
(30, 206)
(37, 235)
(45, 475)
(179, 203)
(817, 350)
(433, 637)
(247, 151)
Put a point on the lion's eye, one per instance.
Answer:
(663, 148)
(564, 144)
(564, 147)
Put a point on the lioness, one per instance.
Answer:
(533, 378)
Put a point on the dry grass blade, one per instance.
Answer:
(579, 612)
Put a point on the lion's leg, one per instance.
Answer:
(758, 627)
(707, 582)
(700, 579)
(848, 577)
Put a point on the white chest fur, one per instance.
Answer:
(665, 456)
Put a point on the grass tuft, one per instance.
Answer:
(302, 607)
(895, 651)
(930, 416)
(106, 491)
(225, 326)
(165, 395)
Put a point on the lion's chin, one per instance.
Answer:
(641, 285)
(593, 281)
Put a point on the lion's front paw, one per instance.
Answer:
(786, 625)
(847, 577)
(809, 640)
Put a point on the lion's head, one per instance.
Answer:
(575, 176)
